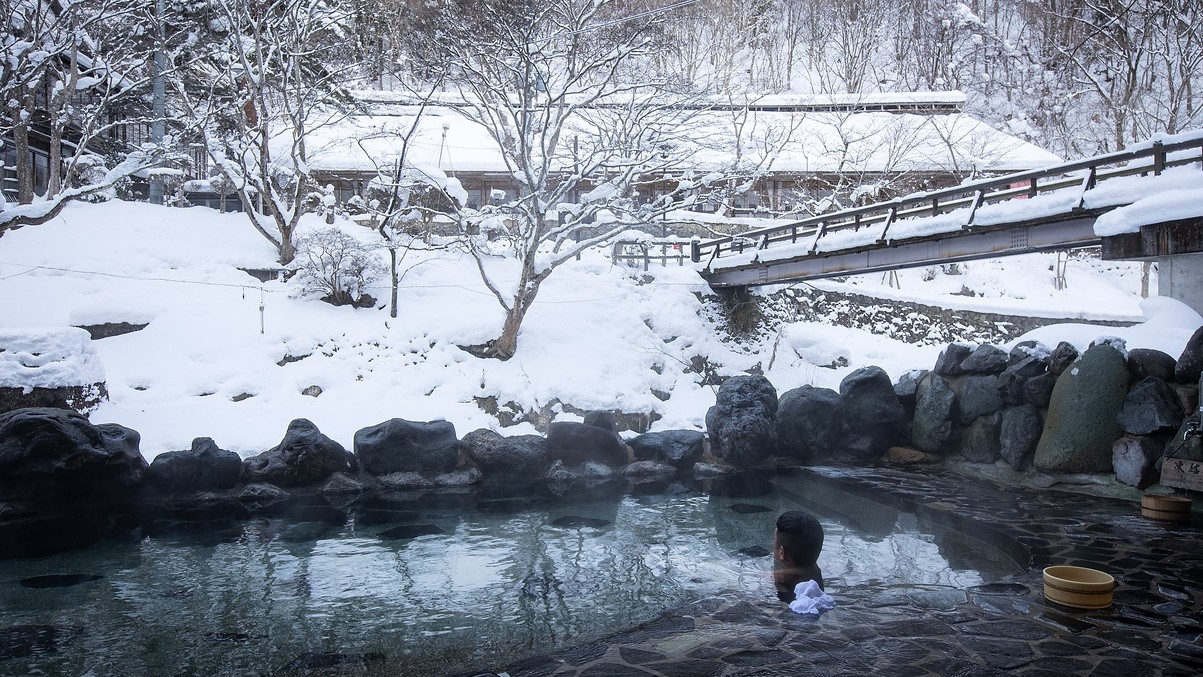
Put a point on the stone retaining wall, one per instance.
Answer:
(1033, 408)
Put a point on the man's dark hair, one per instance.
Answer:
(801, 535)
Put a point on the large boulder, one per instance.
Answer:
(1189, 367)
(978, 396)
(304, 457)
(398, 445)
(1081, 428)
(678, 448)
(519, 458)
(204, 467)
(1150, 407)
(577, 443)
(743, 421)
(810, 422)
(1146, 362)
(872, 409)
(55, 455)
(1018, 434)
(932, 429)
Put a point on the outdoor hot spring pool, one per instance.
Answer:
(415, 588)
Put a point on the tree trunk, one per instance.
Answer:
(504, 347)
(24, 164)
(392, 263)
(54, 180)
(288, 250)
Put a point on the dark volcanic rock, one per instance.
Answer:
(678, 448)
(1012, 382)
(949, 362)
(1025, 349)
(1038, 390)
(304, 457)
(519, 458)
(1146, 362)
(1150, 406)
(1190, 363)
(577, 443)
(978, 396)
(204, 467)
(743, 421)
(600, 419)
(980, 441)
(1062, 356)
(872, 409)
(810, 422)
(985, 359)
(1081, 426)
(907, 387)
(51, 455)
(932, 429)
(1018, 434)
(398, 445)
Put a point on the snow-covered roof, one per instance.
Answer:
(770, 140)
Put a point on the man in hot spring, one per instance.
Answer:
(797, 542)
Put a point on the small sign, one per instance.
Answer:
(1182, 474)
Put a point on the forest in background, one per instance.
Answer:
(1077, 77)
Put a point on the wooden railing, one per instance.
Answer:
(1155, 158)
(636, 253)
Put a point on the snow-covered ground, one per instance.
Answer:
(597, 338)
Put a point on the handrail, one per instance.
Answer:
(679, 252)
(973, 194)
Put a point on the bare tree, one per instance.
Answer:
(72, 76)
(273, 80)
(1141, 64)
(580, 127)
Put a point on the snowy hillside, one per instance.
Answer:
(211, 363)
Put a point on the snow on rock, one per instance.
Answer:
(48, 357)
(227, 357)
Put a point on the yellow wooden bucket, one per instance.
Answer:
(1078, 587)
(1165, 508)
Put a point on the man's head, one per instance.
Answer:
(798, 539)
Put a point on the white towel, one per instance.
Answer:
(809, 598)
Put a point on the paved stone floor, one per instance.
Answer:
(1154, 627)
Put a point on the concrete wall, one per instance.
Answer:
(1181, 277)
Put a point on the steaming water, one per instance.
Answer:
(273, 596)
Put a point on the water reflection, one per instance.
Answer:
(487, 586)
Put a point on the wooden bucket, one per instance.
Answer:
(1165, 508)
(1078, 587)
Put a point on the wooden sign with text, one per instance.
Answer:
(1183, 474)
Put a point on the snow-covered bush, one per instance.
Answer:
(337, 266)
(355, 205)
